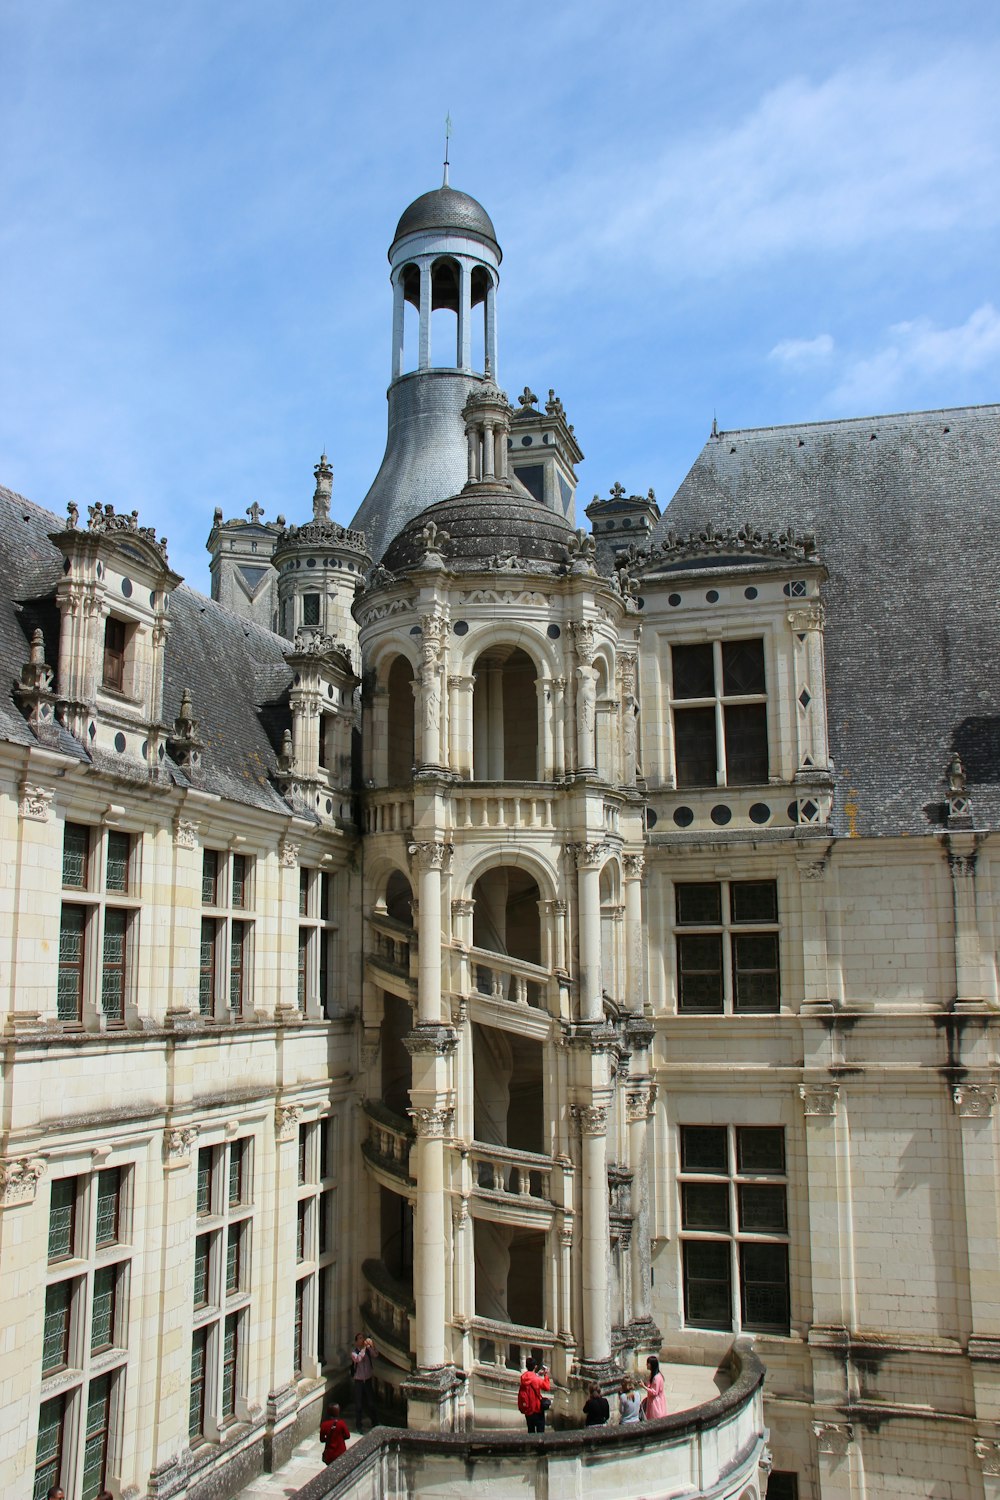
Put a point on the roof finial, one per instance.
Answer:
(447, 145)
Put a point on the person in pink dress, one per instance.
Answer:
(655, 1404)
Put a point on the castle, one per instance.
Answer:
(511, 937)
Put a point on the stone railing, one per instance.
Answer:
(714, 1450)
(388, 1140)
(519, 1174)
(388, 812)
(487, 807)
(388, 1306)
(507, 1345)
(393, 942)
(496, 976)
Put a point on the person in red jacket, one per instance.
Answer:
(529, 1395)
(333, 1434)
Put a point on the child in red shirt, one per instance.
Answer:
(333, 1435)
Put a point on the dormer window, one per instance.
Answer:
(719, 708)
(310, 609)
(115, 641)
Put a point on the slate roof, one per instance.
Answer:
(446, 208)
(483, 522)
(905, 510)
(236, 671)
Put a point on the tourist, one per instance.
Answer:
(363, 1357)
(333, 1434)
(628, 1404)
(530, 1401)
(596, 1410)
(655, 1402)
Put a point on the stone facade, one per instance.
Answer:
(526, 943)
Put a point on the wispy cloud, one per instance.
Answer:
(917, 354)
(803, 352)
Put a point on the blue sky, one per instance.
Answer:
(778, 212)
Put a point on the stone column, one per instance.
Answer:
(432, 679)
(811, 749)
(828, 1175)
(635, 988)
(379, 752)
(638, 1112)
(975, 1107)
(464, 316)
(432, 1123)
(626, 676)
(398, 325)
(559, 725)
(431, 860)
(491, 329)
(837, 1459)
(586, 697)
(592, 1122)
(971, 985)
(588, 863)
(489, 452)
(425, 316)
(460, 724)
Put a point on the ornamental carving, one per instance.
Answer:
(814, 869)
(975, 1101)
(431, 856)
(588, 856)
(463, 907)
(819, 1098)
(639, 1103)
(833, 1438)
(988, 1453)
(962, 865)
(178, 1141)
(36, 802)
(590, 1119)
(286, 1121)
(634, 864)
(433, 1122)
(583, 636)
(434, 633)
(19, 1177)
(812, 617)
(288, 854)
(185, 833)
(743, 542)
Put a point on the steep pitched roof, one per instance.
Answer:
(905, 510)
(236, 671)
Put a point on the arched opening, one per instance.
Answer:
(508, 1092)
(511, 1267)
(481, 283)
(399, 899)
(401, 745)
(505, 716)
(611, 930)
(396, 1232)
(605, 723)
(445, 292)
(506, 918)
(397, 1065)
(410, 278)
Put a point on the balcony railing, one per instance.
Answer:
(388, 812)
(518, 1174)
(388, 1140)
(508, 1345)
(496, 976)
(487, 807)
(388, 1307)
(393, 941)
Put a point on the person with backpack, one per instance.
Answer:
(530, 1402)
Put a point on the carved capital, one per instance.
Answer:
(590, 1119)
(428, 855)
(813, 869)
(988, 1453)
(819, 1098)
(36, 802)
(588, 856)
(286, 1121)
(833, 1438)
(634, 865)
(583, 639)
(639, 1101)
(975, 1101)
(178, 1141)
(185, 833)
(463, 908)
(288, 854)
(433, 1122)
(19, 1177)
(626, 672)
(812, 617)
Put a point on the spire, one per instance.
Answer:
(323, 490)
(447, 144)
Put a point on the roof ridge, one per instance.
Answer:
(982, 409)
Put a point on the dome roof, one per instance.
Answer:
(447, 208)
(482, 523)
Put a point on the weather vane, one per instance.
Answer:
(447, 144)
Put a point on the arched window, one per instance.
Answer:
(445, 292)
(481, 286)
(505, 717)
(401, 746)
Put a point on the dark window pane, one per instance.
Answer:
(322, 1303)
(237, 966)
(704, 1148)
(304, 936)
(325, 1127)
(760, 1148)
(196, 1406)
(303, 892)
(119, 849)
(782, 1485)
(72, 947)
(238, 1173)
(699, 905)
(310, 609)
(699, 969)
(303, 1152)
(705, 1205)
(764, 1274)
(707, 1287)
(694, 671)
(202, 1266)
(205, 1180)
(102, 1328)
(114, 655)
(297, 1331)
(746, 743)
(95, 1446)
(76, 848)
(55, 1336)
(234, 1255)
(762, 1207)
(113, 969)
(206, 975)
(210, 877)
(240, 892)
(694, 746)
(755, 971)
(754, 900)
(109, 1201)
(62, 1218)
(48, 1450)
(742, 668)
(230, 1364)
(300, 1232)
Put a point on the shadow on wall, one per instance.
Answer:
(977, 742)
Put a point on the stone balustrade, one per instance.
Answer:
(489, 807)
(388, 812)
(520, 1174)
(496, 976)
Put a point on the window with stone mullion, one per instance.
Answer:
(49, 1446)
(719, 707)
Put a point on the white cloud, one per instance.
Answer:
(799, 352)
(916, 354)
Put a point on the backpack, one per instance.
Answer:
(524, 1402)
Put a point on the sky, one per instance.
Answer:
(757, 210)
